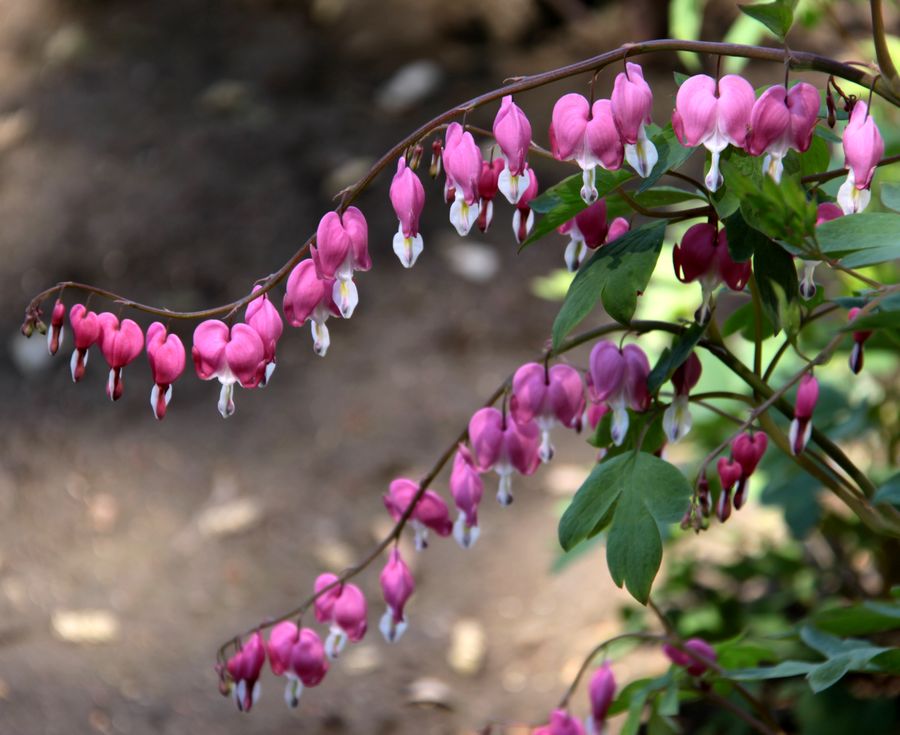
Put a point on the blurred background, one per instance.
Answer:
(174, 152)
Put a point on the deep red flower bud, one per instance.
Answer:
(55, 333)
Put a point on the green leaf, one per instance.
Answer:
(671, 156)
(860, 619)
(816, 158)
(672, 358)
(890, 195)
(860, 239)
(634, 494)
(776, 278)
(743, 240)
(614, 274)
(783, 670)
(777, 16)
(889, 492)
(562, 201)
(836, 667)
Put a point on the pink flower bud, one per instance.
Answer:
(620, 379)
(408, 200)
(713, 114)
(166, 355)
(502, 444)
(310, 299)
(586, 135)
(55, 333)
(730, 473)
(434, 169)
(85, 333)
(632, 103)
(120, 345)
(617, 228)
(466, 487)
(308, 660)
(487, 190)
(282, 639)
(342, 247)
(687, 374)
(234, 355)
(244, 668)
(523, 217)
(688, 658)
(265, 319)
(780, 120)
(462, 162)
(429, 514)
(863, 149)
(549, 396)
(397, 586)
(602, 692)
(561, 723)
(801, 425)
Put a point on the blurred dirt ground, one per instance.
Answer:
(175, 151)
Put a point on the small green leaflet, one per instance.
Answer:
(614, 275)
(777, 16)
(633, 494)
(776, 278)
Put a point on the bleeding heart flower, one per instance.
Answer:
(344, 606)
(462, 162)
(825, 212)
(299, 656)
(232, 355)
(863, 149)
(561, 723)
(430, 512)
(342, 247)
(703, 255)
(688, 658)
(587, 230)
(120, 345)
(55, 333)
(801, 425)
(677, 417)
(265, 319)
(713, 114)
(512, 132)
(85, 333)
(602, 692)
(620, 379)
(408, 200)
(547, 395)
(166, 355)
(502, 444)
(308, 298)
(587, 135)
(487, 190)
(730, 473)
(523, 217)
(747, 449)
(859, 339)
(244, 668)
(466, 487)
(782, 119)
(397, 586)
(632, 103)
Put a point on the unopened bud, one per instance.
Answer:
(28, 327)
(829, 103)
(40, 326)
(434, 170)
(703, 496)
(415, 156)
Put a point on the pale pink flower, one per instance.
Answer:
(408, 199)
(547, 395)
(265, 319)
(502, 444)
(512, 132)
(309, 298)
(342, 247)
(782, 119)
(462, 163)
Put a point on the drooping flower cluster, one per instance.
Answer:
(601, 693)
(747, 450)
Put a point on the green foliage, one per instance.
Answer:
(672, 357)
(776, 279)
(860, 239)
(777, 16)
(615, 274)
(890, 195)
(671, 156)
(633, 494)
(743, 240)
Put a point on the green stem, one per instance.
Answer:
(757, 325)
